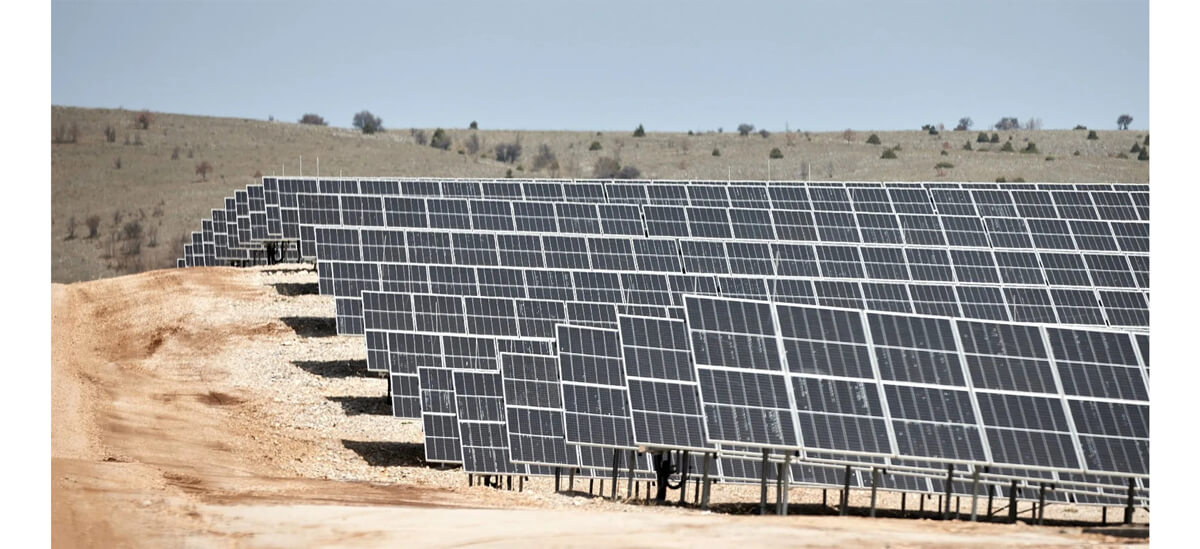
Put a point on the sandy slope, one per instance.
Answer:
(189, 411)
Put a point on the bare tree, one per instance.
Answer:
(964, 124)
(1124, 121)
(545, 158)
(440, 140)
(744, 129)
(1033, 124)
(849, 136)
(1008, 123)
(93, 225)
(508, 152)
(472, 144)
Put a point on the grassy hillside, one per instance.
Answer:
(167, 198)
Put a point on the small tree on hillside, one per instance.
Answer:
(472, 144)
(744, 129)
(440, 140)
(474, 125)
(313, 119)
(776, 154)
(545, 158)
(143, 120)
(1092, 135)
(368, 122)
(639, 131)
(873, 139)
(1124, 121)
(508, 152)
(1008, 123)
(964, 124)
(203, 169)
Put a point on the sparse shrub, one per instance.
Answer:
(175, 153)
(744, 129)
(967, 145)
(945, 153)
(941, 168)
(1122, 156)
(982, 137)
(472, 144)
(419, 137)
(440, 140)
(873, 139)
(1007, 147)
(474, 125)
(368, 122)
(1080, 127)
(93, 225)
(999, 180)
(508, 152)
(544, 158)
(1092, 135)
(849, 135)
(137, 140)
(110, 134)
(639, 131)
(152, 236)
(1030, 148)
(690, 133)
(964, 124)
(117, 217)
(595, 146)
(888, 154)
(1019, 180)
(508, 174)
(64, 133)
(764, 133)
(520, 167)
(606, 167)
(191, 153)
(1146, 143)
(716, 152)
(1049, 159)
(132, 229)
(117, 163)
(1076, 153)
(71, 225)
(629, 172)
(313, 119)
(776, 153)
(995, 137)
(127, 139)
(143, 120)
(897, 148)
(1144, 155)
(1008, 123)
(257, 175)
(1124, 121)
(203, 169)
(930, 128)
(1135, 148)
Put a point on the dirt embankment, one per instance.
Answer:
(189, 410)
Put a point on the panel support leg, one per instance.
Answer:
(704, 492)
(991, 493)
(629, 483)
(521, 485)
(949, 488)
(683, 470)
(762, 500)
(845, 493)
(1104, 515)
(787, 483)
(779, 488)
(1129, 498)
(615, 472)
(824, 497)
(571, 482)
(975, 494)
(1041, 503)
(1012, 502)
(470, 479)
(874, 488)
(903, 500)
(557, 479)
(922, 509)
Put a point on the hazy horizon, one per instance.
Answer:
(670, 66)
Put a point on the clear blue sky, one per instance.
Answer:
(612, 64)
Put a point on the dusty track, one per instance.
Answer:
(199, 408)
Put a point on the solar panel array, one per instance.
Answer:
(536, 324)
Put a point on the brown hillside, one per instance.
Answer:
(168, 199)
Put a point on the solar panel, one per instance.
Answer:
(594, 390)
(534, 407)
(663, 390)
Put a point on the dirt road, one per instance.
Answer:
(212, 408)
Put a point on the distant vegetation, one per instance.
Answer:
(964, 124)
(639, 131)
(440, 140)
(744, 129)
(508, 152)
(1124, 121)
(873, 139)
(776, 153)
(368, 122)
(313, 119)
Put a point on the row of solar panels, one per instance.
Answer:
(636, 386)
(270, 211)
(1046, 287)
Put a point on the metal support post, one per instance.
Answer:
(949, 488)
(762, 501)
(845, 493)
(874, 488)
(975, 494)
(704, 492)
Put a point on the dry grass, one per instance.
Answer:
(84, 181)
